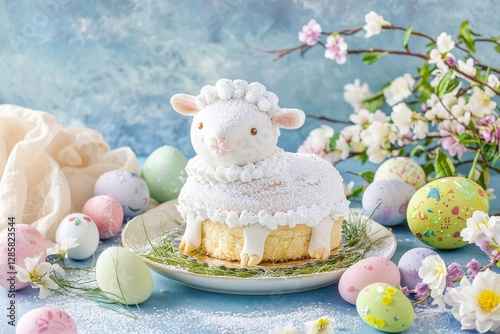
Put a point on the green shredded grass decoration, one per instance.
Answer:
(356, 243)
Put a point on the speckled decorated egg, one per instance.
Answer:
(46, 320)
(124, 276)
(83, 229)
(439, 210)
(410, 263)
(391, 197)
(403, 169)
(127, 188)
(365, 272)
(164, 173)
(20, 242)
(107, 214)
(386, 308)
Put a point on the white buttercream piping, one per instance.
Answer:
(204, 173)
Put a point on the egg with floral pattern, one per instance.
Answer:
(82, 228)
(438, 211)
(403, 169)
(127, 188)
(385, 308)
(46, 320)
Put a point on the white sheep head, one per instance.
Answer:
(235, 123)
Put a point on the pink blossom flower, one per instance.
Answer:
(455, 272)
(336, 49)
(473, 267)
(310, 33)
(405, 290)
(307, 149)
(495, 256)
(422, 290)
(453, 147)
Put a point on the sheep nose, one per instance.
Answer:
(216, 142)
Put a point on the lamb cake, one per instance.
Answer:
(245, 199)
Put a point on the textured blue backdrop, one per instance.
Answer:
(113, 65)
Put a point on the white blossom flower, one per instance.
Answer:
(420, 129)
(379, 116)
(436, 57)
(374, 24)
(288, 329)
(38, 275)
(439, 110)
(348, 188)
(433, 273)
(445, 43)
(490, 193)
(467, 68)
(319, 138)
(62, 249)
(399, 89)
(377, 154)
(477, 305)
(361, 117)
(336, 49)
(355, 93)
(494, 83)
(351, 135)
(481, 224)
(480, 104)
(402, 117)
(320, 326)
(460, 112)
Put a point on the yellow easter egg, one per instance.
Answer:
(438, 211)
(403, 169)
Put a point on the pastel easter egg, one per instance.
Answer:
(438, 211)
(410, 263)
(124, 276)
(46, 320)
(19, 242)
(164, 173)
(386, 201)
(384, 307)
(365, 272)
(83, 229)
(127, 188)
(107, 214)
(403, 169)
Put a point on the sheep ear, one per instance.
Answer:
(289, 118)
(184, 104)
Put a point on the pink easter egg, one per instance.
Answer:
(365, 272)
(107, 214)
(18, 243)
(46, 320)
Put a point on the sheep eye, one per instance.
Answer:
(200, 125)
(253, 131)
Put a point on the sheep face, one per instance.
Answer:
(233, 132)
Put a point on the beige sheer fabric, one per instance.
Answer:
(48, 171)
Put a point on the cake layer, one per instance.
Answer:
(283, 244)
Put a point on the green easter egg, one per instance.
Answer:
(438, 211)
(164, 173)
(385, 308)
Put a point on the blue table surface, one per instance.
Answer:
(174, 308)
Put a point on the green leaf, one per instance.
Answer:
(368, 176)
(497, 48)
(407, 36)
(333, 140)
(443, 165)
(375, 104)
(428, 168)
(371, 57)
(357, 191)
(446, 85)
(490, 151)
(418, 150)
(467, 36)
(467, 138)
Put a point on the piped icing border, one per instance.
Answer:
(310, 216)
(204, 173)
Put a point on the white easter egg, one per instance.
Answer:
(46, 320)
(127, 188)
(124, 276)
(83, 229)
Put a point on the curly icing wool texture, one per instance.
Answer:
(226, 89)
(305, 191)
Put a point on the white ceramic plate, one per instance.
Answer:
(157, 221)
